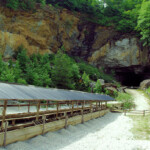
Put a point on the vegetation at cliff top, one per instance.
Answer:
(55, 70)
(125, 15)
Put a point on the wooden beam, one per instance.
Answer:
(47, 105)
(4, 114)
(91, 106)
(66, 120)
(72, 107)
(5, 134)
(57, 105)
(29, 107)
(77, 104)
(38, 110)
(44, 118)
(105, 105)
(101, 106)
(96, 106)
(82, 119)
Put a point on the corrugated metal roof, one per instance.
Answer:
(23, 92)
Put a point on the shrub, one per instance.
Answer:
(14, 4)
(92, 71)
(126, 99)
(21, 81)
(7, 74)
(98, 87)
(63, 71)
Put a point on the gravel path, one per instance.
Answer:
(111, 132)
(140, 100)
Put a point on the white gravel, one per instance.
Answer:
(140, 100)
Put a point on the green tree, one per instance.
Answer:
(7, 74)
(14, 4)
(98, 87)
(144, 22)
(22, 58)
(62, 73)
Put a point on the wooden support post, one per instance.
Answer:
(77, 105)
(125, 112)
(4, 114)
(13, 122)
(38, 110)
(91, 109)
(99, 105)
(96, 105)
(47, 105)
(105, 105)
(57, 109)
(66, 120)
(82, 119)
(143, 113)
(72, 108)
(5, 134)
(44, 118)
(83, 105)
(29, 107)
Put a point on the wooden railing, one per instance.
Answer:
(21, 120)
(137, 112)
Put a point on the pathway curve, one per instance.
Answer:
(140, 100)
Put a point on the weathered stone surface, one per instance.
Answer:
(47, 29)
(145, 84)
(120, 53)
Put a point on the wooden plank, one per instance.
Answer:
(72, 108)
(82, 121)
(105, 105)
(5, 134)
(29, 132)
(96, 106)
(38, 110)
(4, 114)
(66, 120)
(57, 105)
(44, 118)
(77, 104)
(47, 105)
(91, 108)
(29, 107)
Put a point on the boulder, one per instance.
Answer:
(102, 81)
(145, 84)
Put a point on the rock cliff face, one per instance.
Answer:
(47, 29)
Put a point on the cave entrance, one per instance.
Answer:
(130, 79)
(132, 76)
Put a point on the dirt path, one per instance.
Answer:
(140, 100)
(111, 132)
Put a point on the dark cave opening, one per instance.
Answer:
(130, 79)
(132, 76)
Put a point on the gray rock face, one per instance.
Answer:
(8, 52)
(121, 53)
(145, 84)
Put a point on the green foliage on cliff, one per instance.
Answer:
(59, 70)
(125, 16)
(144, 22)
(23, 4)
